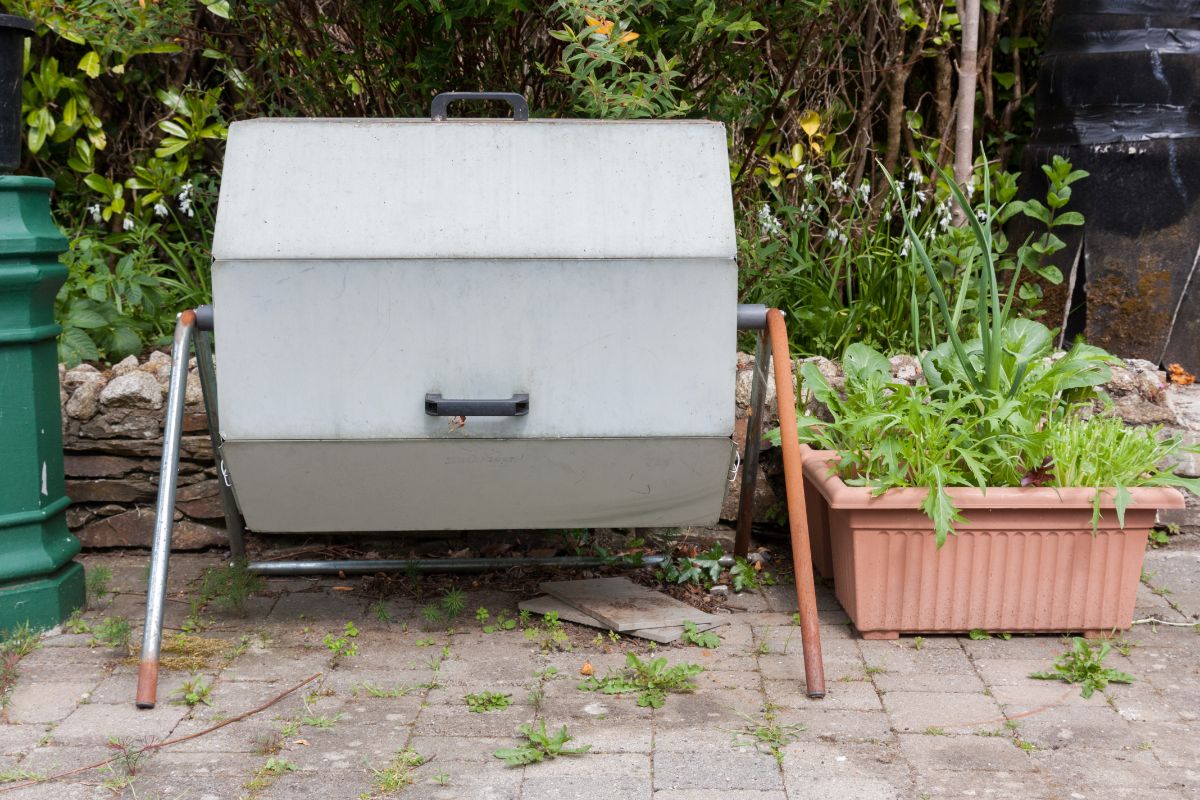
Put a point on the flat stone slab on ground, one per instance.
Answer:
(546, 604)
(623, 605)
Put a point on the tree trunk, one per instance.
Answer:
(967, 68)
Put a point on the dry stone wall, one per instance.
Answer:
(112, 443)
(112, 438)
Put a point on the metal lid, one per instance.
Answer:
(475, 189)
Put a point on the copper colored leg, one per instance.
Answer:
(806, 593)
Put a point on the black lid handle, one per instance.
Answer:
(442, 101)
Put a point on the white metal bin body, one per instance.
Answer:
(360, 265)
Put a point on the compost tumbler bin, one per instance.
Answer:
(494, 324)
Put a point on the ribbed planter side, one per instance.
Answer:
(817, 510)
(1025, 560)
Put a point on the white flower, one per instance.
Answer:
(127, 223)
(831, 234)
(807, 177)
(904, 248)
(768, 221)
(160, 209)
(839, 184)
(982, 214)
(185, 199)
(920, 195)
(915, 175)
(943, 214)
(94, 210)
(864, 191)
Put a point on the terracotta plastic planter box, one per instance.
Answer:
(1025, 560)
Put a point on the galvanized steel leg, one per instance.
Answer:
(754, 426)
(164, 513)
(208, 385)
(806, 593)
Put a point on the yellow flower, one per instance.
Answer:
(602, 26)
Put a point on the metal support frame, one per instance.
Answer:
(164, 512)
(773, 345)
(772, 339)
(235, 529)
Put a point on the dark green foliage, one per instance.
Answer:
(127, 106)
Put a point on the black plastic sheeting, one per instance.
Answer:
(13, 31)
(1119, 96)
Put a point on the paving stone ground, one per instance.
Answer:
(952, 717)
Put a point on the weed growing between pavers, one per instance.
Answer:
(229, 587)
(540, 745)
(397, 774)
(96, 583)
(651, 680)
(127, 760)
(115, 633)
(342, 646)
(487, 701)
(369, 689)
(549, 635)
(193, 693)
(1084, 664)
(17, 774)
(767, 735)
(692, 635)
(447, 609)
(537, 692)
(267, 774)
(502, 621)
(17, 644)
(381, 611)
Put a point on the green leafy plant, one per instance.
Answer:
(747, 576)
(487, 701)
(343, 645)
(550, 635)
(502, 621)
(76, 623)
(692, 635)
(539, 745)
(703, 569)
(193, 693)
(1084, 664)
(651, 680)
